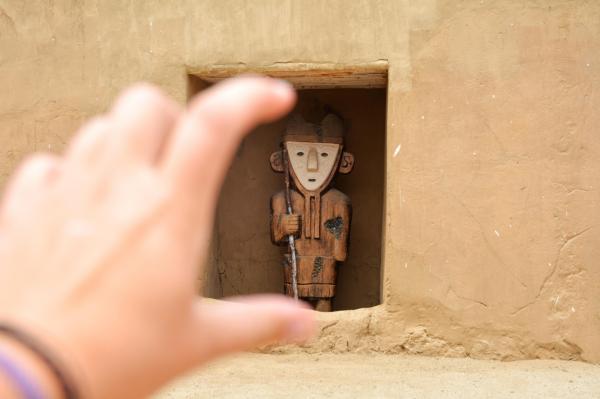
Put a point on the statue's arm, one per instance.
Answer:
(344, 213)
(278, 211)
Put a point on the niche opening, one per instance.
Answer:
(243, 259)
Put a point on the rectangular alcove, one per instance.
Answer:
(243, 259)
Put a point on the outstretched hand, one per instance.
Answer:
(100, 248)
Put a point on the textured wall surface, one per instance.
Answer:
(492, 245)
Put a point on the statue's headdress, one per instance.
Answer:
(330, 130)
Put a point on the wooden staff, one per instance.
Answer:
(291, 239)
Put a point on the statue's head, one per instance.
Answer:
(314, 152)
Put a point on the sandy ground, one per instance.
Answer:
(330, 376)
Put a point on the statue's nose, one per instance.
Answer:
(312, 161)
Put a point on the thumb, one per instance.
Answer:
(244, 323)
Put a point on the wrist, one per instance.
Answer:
(32, 365)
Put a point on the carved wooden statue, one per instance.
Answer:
(321, 215)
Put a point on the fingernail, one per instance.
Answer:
(299, 331)
(283, 88)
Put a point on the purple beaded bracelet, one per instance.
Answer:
(20, 378)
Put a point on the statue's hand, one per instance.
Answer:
(292, 224)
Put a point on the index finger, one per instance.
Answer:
(204, 142)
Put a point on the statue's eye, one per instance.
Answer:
(324, 154)
(299, 153)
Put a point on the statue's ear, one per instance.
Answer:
(346, 163)
(277, 161)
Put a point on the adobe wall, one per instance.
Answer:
(491, 244)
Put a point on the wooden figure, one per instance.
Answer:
(314, 214)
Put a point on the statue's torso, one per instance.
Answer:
(317, 257)
(333, 220)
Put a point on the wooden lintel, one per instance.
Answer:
(306, 76)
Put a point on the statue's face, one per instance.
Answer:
(312, 163)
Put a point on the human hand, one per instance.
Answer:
(292, 224)
(99, 249)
